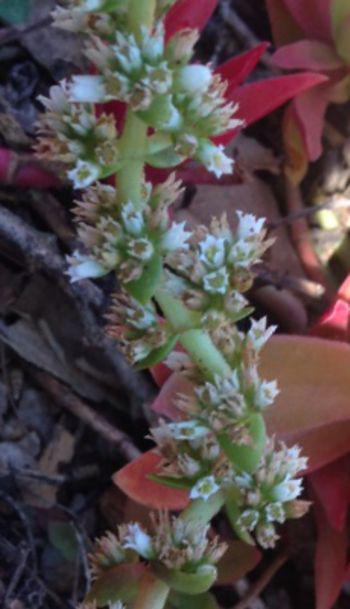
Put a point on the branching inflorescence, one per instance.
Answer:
(176, 287)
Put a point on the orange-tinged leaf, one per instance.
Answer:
(322, 445)
(118, 583)
(331, 485)
(313, 376)
(297, 161)
(164, 404)
(238, 560)
(133, 481)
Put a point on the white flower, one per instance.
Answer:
(187, 430)
(127, 52)
(93, 5)
(216, 282)
(235, 302)
(248, 519)
(83, 267)
(87, 89)
(214, 159)
(132, 219)
(176, 237)
(193, 79)
(153, 45)
(274, 512)
(266, 536)
(212, 251)
(140, 318)
(141, 249)
(265, 393)
(189, 466)
(248, 225)
(259, 333)
(288, 490)
(137, 539)
(204, 488)
(84, 174)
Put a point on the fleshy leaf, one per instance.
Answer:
(188, 14)
(313, 376)
(330, 560)
(160, 373)
(118, 583)
(297, 161)
(158, 355)
(238, 560)
(271, 93)
(164, 403)
(200, 601)
(323, 444)
(334, 324)
(188, 583)
(133, 480)
(331, 485)
(236, 70)
(310, 108)
(307, 55)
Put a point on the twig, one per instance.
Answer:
(334, 203)
(54, 480)
(24, 552)
(300, 235)
(310, 290)
(23, 518)
(262, 582)
(66, 399)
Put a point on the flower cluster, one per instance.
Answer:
(171, 541)
(97, 17)
(218, 267)
(269, 495)
(124, 237)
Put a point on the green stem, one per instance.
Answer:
(201, 512)
(153, 593)
(130, 176)
(197, 343)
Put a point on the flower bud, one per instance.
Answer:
(193, 79)
(214, 158)
(87, 89)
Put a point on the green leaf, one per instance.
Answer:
(164, 158)
(246, 457)
(118, 583)
(340, 14)
(158, 355)
(143, 289)
(187, 583)
(171, 482)
(14, 11)
(185, 601)
(62, 536)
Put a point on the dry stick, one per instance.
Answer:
(262, 582)
(300, 235)
(66, 399)
(41, 252)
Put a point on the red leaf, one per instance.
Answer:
(322, 445)
(260, 98)
(160, 373)
(310, 108)
(284, 29)
(188, 14)
(331, 485)
(133, 481)
(313, 16)
(330, 560)
(236, 70)
(334, 324)
(307, 55)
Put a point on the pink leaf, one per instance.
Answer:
(192, 14)
(236, 70)
(160, 373)
(334, 324)
(134, 482)
(313, 16)
(330, 560)
(331, 485)
(164, 403)
(260, 98)
(284, 29)
(307, 55)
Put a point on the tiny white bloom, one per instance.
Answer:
(266, 393)
(83, 174)
(141, 249)
(87, 89)
(266, 536)
(127, 52)
(259, 333)
(214, 158)
(137, 539)
(84, 267)
(132, 219)
(235, 302)
(194, 78)
(187, 430)
(274, 512)
(216, 282)
(248, 519)
(176, 237)
(288, 490)
(212, 251)
(249, 225)
(141, 318)
(153, 45)
(204, 488)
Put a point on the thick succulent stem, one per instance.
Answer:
(153, 593)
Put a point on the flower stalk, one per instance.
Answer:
(177, 287)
